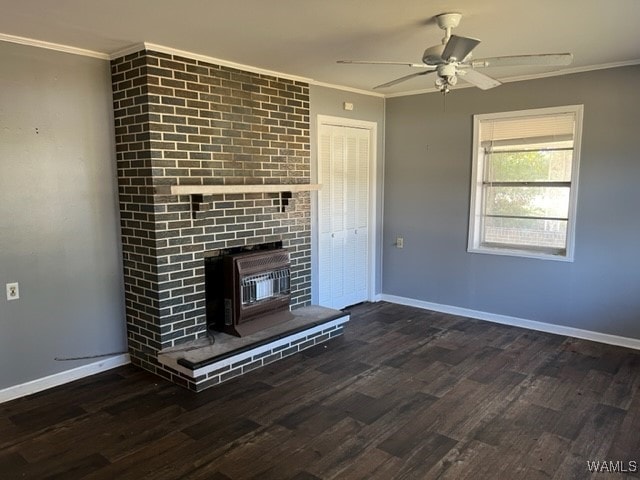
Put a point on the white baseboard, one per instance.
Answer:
(61, 378)
(518, 322)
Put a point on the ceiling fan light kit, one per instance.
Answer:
(452, 59)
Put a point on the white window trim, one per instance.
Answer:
(476, 186)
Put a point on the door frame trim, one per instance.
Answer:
(373, 224)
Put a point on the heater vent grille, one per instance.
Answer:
(265, 286)
(263, 261)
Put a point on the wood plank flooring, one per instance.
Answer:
(405, 394)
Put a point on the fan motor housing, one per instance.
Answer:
(447, 70)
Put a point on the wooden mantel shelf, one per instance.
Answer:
(222, 189)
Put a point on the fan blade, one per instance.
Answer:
(401, 79)
(458, 48)
(480, 80)
(544, 59)
(373, 62)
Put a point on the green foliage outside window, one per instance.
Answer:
(528, 166)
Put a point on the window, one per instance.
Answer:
(524, 182)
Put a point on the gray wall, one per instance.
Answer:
(59, 235)
(329, 101)
(427, 183)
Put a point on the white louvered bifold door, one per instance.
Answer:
(343, 215)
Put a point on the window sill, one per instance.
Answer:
(512, 252)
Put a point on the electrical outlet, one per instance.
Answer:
(399, 242)
(13, 292)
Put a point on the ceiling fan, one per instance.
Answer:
(452, 59)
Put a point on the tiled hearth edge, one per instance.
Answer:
(254, 357)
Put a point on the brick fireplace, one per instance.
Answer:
(181, 121)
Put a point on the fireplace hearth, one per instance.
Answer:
(231, 356)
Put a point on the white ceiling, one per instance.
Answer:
(305, 37)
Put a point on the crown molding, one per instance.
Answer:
(136, 47)
(225, 63)
(248, 68)
(239, 66)
(205, 58)
(347, 89)
(569, 71)
(52, 46)
(521, 78)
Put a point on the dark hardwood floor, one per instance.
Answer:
(405, 393)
